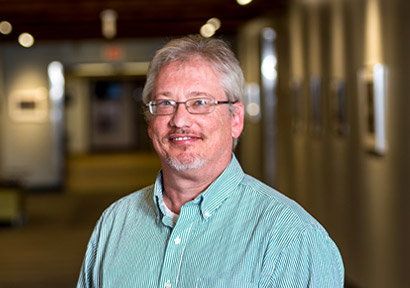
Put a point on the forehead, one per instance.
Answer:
(194, 70)
(188, 78)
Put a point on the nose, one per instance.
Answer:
(181, 117)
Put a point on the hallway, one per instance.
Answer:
(47, 251)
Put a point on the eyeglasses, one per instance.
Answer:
(193, 106)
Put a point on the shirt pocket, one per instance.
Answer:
(223, 283)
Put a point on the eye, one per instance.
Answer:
(200, 102)
(165, 103)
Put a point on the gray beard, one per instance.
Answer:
(181, 166)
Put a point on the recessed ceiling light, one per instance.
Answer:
(243, 2)
(215, 22)
(26, 40)
(207, 30)
(5, 27)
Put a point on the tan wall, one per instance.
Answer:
(32, 151)
(361, 198)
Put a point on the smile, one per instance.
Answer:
(181, 138)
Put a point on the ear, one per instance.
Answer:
(237, 119)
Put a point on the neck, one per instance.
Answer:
(181, 187)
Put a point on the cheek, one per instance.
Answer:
(222, 130)
(154, 128)
(149, 130)
(153, 133)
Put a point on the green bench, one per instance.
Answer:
(11, 203)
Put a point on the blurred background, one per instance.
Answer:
(327, 120)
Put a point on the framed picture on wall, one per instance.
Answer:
(29, 105)
(372, 90)
(338, 107)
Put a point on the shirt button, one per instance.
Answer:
(207, 214)
(167, 284)
(177, 241)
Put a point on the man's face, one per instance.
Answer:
(191, 141)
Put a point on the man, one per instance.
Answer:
(204, 223)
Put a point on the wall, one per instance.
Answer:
(77, 116)
(1, 111)
(259, 150)
(323, 159)
(32, 151)
(251, 140)
(360, 197)
(29, 142)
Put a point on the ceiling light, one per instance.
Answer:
(215, 22)
(109, 23)
(207, 30)
(5, 27)
(26, 40)
(243, 2)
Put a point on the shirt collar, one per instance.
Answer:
(213, 197)
(158, 190)
(221, 188)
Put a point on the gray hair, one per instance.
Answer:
(216, 51)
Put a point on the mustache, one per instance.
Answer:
(182, 132)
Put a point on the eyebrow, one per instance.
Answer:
(166, 94)
(191, 94)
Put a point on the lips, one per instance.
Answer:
(183, 138)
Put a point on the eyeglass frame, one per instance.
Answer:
(175, 104)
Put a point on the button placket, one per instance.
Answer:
(207, 214)
(168, 284)
(175, 248)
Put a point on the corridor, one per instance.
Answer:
(47, 250)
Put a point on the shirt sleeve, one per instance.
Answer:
(89, 272)
(311, 259)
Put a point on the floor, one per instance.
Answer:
(47, 250)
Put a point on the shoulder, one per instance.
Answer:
(276, 206)
(294, 236)
(126, 212)
(283, 219)
(136, 202)
(297, 244)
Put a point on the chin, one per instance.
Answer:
(189, 164)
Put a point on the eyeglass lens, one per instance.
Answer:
(195, 106)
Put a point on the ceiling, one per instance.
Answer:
(80, 19)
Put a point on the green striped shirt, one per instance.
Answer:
(238, 233)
